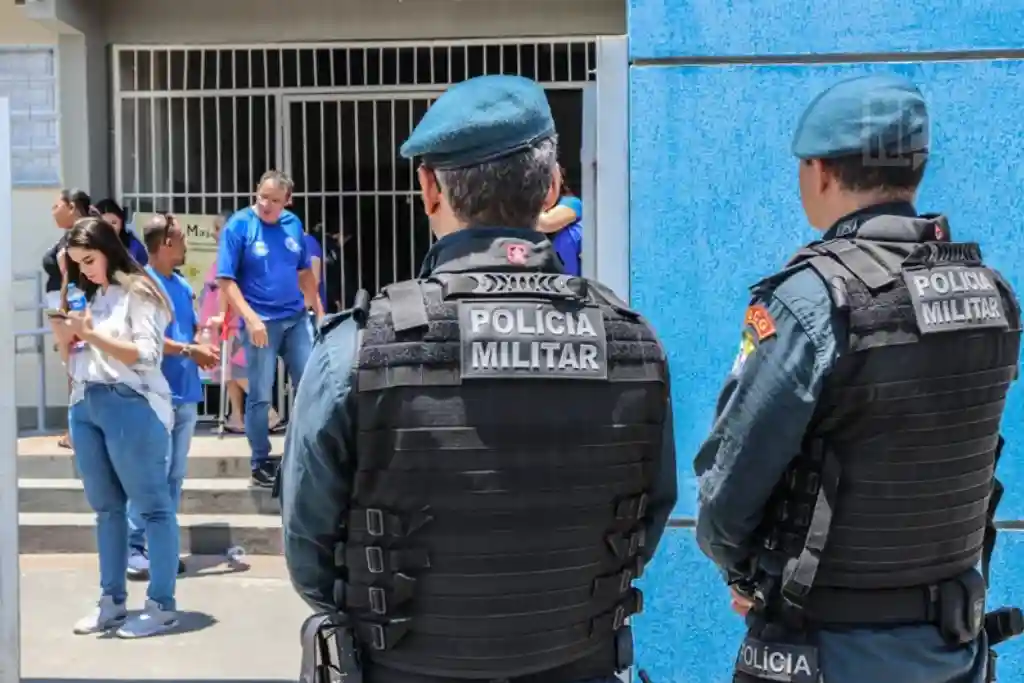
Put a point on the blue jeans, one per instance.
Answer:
(290, 339)
(121, 448)
(185, 417)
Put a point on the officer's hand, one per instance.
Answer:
(741, 604)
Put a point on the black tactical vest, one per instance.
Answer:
(892, 488)
(508, 424)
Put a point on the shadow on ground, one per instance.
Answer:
(188, 622)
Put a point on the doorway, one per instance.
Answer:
(359, 197)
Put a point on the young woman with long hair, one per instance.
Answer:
(121, 415)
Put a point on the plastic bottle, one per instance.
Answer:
(76, 298)
(78, 303)
(206, 339)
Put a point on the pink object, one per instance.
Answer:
(209, 306)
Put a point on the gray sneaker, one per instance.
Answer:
(138, 565)
(107, 615)
(153, 621)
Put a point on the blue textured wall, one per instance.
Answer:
(714, 206)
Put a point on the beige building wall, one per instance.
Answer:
(277, 21)
(33, 234)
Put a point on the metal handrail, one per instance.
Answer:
(39, 334)
(38, 347)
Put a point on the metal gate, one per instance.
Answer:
(355, 188)
(195, 127)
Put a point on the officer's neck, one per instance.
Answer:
(444, 227)
(849, 203)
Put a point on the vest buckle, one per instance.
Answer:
(375, 560)
(374, 522)
(378, 601)
(619, 619)
(377, 636)
(641, 506)
(627, 577)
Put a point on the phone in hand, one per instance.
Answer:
(56, 313)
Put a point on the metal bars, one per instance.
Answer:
(171, 71)
(356, 194)
(195, 127)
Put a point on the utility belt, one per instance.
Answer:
(331, 648)
(781, 644)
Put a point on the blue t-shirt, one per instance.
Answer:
(264, 259)
(136, 248)
(182, 373)
(314, 250)
(568, 241)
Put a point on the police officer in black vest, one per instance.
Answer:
(848, 486)
(481, 461)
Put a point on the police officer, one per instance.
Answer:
(845, 487)
(482, 460)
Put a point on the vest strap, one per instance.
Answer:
(629, 478)
(601, 594)
(857, 261)
(834, 273)
(365, 525)
(989, 544)
(408, 311)
(582, 635)
(799, 572)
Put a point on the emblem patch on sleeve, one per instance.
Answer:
(747, 347)
(760, 321)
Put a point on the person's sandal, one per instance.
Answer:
(65, 442)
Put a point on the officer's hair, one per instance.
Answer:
(864, 173)
(507, 192)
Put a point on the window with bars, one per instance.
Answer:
(28, 78)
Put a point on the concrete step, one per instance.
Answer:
(209, 457)
(45, 533)
(62, 466)
(199, 497)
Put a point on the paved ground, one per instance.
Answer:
(241, 623)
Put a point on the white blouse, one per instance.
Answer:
(122, 314)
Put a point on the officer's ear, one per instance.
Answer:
(430, 190)
(822, 177)
(555, 190)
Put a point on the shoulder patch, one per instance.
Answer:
(760, 321)
(747, 347)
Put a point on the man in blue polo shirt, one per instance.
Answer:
(263, 268)
(165, 242)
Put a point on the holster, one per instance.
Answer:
(1001, 625)
(318, 634)
(961, 608)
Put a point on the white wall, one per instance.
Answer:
(33, 231)
(247, 21)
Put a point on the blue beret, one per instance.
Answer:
(480, 120)
(865, 114)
